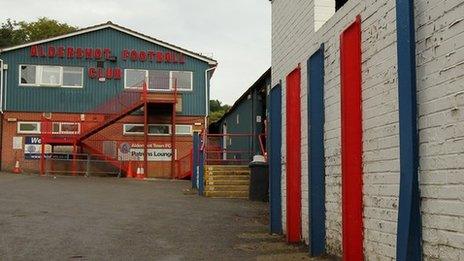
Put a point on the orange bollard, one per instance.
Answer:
(129, 173)
(140, 173)
(17, 169)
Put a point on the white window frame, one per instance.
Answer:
(82, 77)
(60, 131)
(125, 78)
(158, 134)
(38, 77)
(171, 82)
(19, 131)
(124, 132)
(190, 133)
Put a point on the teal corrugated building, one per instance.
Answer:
(244, 123)
(76, 73)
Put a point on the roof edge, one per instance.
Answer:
(244, 95)
(125, 30)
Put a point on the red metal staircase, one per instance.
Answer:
(87, 136)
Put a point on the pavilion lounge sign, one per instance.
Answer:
(69, 52)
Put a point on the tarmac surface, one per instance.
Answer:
(78, 218)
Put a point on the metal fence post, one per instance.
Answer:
(201, 169)
(87, 171)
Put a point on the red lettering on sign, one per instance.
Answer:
(151, 56)
(69, 52)
(133, 55)
(181, 58)
(143, 56)
(125, 54)
(92, 73)
(40, 51)
(174, 58)
(33, 51)
(168, 57)
(100, 73)
(109, 73)
(107, 53)
(79, 53)
(159, 57)
(88, 53)
(51, 52)
(117, 73)
(60, 52)
(98, 53)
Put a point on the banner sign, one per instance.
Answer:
(33, 150)
(134, 152)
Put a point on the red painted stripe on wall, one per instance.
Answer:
(351, 122)
(293, 173)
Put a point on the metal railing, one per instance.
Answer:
(229, 149)
(82, 164)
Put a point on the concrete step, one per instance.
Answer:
(227, 178)
(226, 194)
(226, 187)
(227, 172)
(226, 167)
(211, 182)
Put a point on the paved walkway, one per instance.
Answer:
(46, 218)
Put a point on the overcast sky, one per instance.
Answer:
(236, 32)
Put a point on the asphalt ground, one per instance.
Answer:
(79, 218)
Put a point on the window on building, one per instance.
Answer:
(73, 76)
(182, 79)
(51, 76)
(156, 129)
(66, 128)
(159, 80)
(135, 78)
(153, 129)
(133, 129)
(184, 129)
(28, 74)
(29, 127)
(159, 129)
(238, 119)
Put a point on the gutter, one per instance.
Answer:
(1, 86)
(1, 111)
(207, 87)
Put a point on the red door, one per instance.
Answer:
(293, 175)
(351, 121)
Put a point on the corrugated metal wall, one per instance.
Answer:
(43, 99)
(247, 111)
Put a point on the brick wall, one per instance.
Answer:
(440, 77)
(113, 132)
(442, 129)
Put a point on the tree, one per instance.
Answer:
(217, 110)
(15, 33)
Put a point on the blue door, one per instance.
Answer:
(275, 134)
(316, 175)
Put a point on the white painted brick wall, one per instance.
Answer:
(440, 58)
(440, 77)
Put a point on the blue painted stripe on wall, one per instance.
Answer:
(316, 158)
(409, 235)
(275, 133)
(196, 151)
